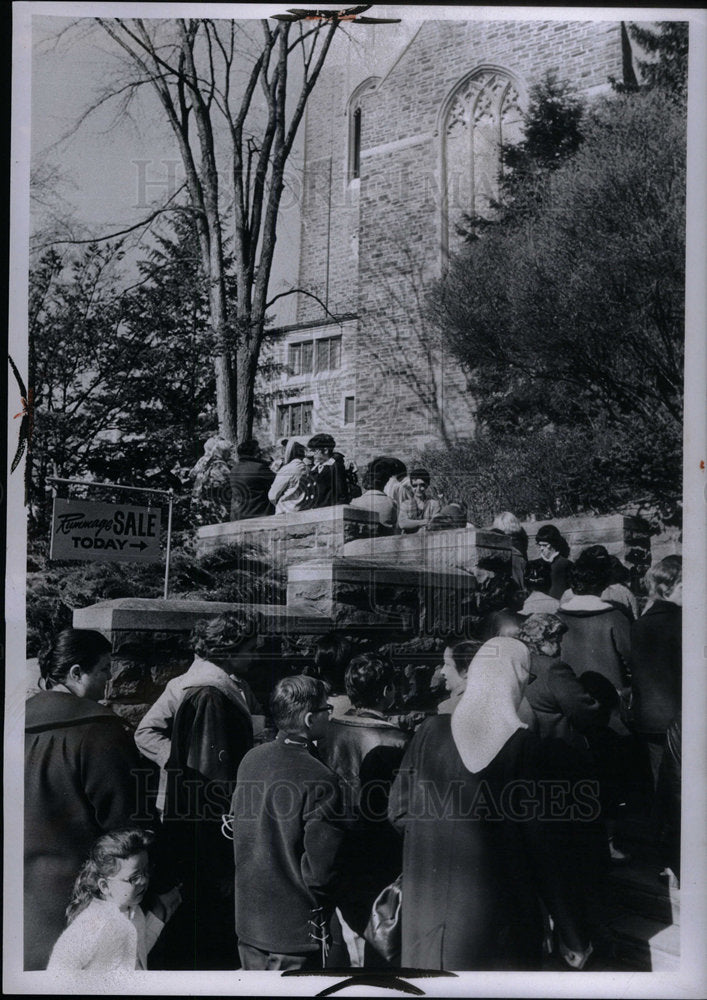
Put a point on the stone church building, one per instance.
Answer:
(402, 135)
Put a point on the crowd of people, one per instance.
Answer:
(330, 827)
(315, 475)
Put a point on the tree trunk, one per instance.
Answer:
(246, 371)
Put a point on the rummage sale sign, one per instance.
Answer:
(105, 532)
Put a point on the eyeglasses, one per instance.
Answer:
(137, 879)
(324, 708)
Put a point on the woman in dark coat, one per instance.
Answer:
(558, 701)
(80, 781)
(477, 855)
(555, 550)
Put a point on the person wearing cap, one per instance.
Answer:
(328, 472)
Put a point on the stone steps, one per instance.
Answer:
(635, 917)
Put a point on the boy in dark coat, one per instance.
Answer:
(287, 835)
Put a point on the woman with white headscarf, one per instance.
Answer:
(293, 487)
(478, 857)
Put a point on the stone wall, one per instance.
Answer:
(394, 590)
(150, 644)
(369, 244)
(388, 600)
(284, 539)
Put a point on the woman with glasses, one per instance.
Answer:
(82, 779)
(555, 550)
(417, 510)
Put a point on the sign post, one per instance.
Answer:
(109, 532)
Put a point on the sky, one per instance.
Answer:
(108, 172)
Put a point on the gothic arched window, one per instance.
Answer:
(355, 113)
(483, 114)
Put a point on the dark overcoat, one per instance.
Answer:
(250, 481)
(210, 735)
(82, 779)
(478, 857)
(656, 653)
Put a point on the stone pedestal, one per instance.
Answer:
(387, 599)
(150, 643)
(466, 549)
(284, 539)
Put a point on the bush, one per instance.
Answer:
(560, 472)
(230, 573)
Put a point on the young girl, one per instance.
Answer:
(107, 929)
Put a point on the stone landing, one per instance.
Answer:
(150, 644)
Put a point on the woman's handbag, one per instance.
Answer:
(383, 930)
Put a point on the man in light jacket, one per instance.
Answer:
(230, 637)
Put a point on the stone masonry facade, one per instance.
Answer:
(369, 243)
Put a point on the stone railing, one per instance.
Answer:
(285, 539)
(407, 600)
(456, 548)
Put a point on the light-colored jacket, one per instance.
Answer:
(153, 735)
(292, 488)
(104, 938)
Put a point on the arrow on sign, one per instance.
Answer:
(138, 545)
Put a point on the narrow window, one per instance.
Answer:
(349, 409)
(335, 353)
(307, 356)
(356, 144)
(323, 354)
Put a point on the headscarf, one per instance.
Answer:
(487, 715)
(293, 450)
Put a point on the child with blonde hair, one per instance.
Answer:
(107, 929)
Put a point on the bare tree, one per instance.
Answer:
(251, 118)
